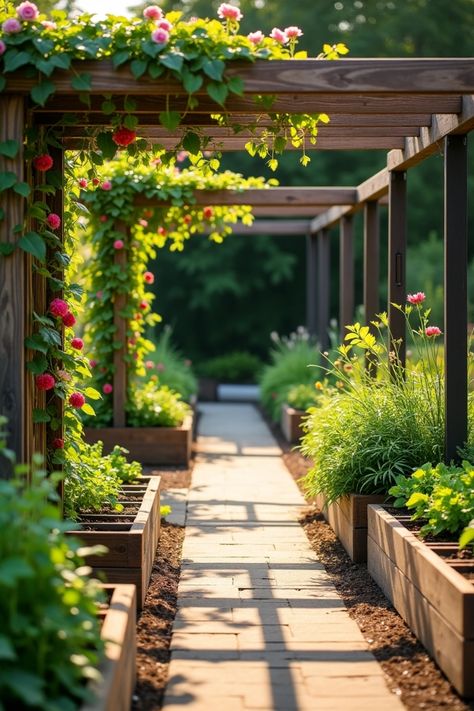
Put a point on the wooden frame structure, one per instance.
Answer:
(408, 106)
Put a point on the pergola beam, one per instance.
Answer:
(274, 228)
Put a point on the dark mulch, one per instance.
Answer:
(410, 671)
(171, 477)
(156, 621)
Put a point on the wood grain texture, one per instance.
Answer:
(290, 423)
(274, 228)
(12, 288)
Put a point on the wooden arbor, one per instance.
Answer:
(408, 106)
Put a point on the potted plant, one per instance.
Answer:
(422, 568)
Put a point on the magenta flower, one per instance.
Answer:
(226, 11)
(69, 319)
(433, 331)
(106, 185)
(279, 36)
(92, 363)
(11, 26)
(27, 11)
(417, 298)
(54, 221)
(293, 32)
(160, 36)
(77, 400)
(77, 344)
(118, 244)
(165, 25)
(3, 47)
(256, 37)
(148, 277)
(58, 307)
(153, 13)
(107, 388)
(82, 182)
(45, 381)
(149, 365)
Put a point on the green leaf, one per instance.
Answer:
(13, 60)
(7, 180)
(34, 244)
(192, 143)
(9, 149)
(26, 686)
(36, 343)
(6, 248)
(138, 67)
(130, 122)
(217, 92)
(3, 83)
(170, 119)
(192, 82)
(22, 189)
(7, 650)
(38, 365)
(88, 409)
(129, 104)
(82, 82)
(50, 336)
(155, 70)
(236, 85)
(108, 107)
(214, 68)
(40, 415)
(92, 393)
(120, 57)
(61, 61)
(106, 144)
(12, 569)
(172, 61)
(41, 92)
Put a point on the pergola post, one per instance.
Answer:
(455, 294)
(13, 268)
(324, 267)
(397, 245)
(311, 284)
(371, 276)
(120, 337)
(346, 273)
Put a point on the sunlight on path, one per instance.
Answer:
(259, 624)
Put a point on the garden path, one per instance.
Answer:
(259, 624)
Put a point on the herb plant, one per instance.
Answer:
(156, 406)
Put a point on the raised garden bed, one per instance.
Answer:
(348, 519)
(131, 538)
(118, 669)
(290, 423)
(429, 592)
(148, 445)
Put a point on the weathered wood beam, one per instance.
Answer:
(346, 273)
(324, 287)
(430, 138)
(310, 76)
(312, 284)
(274, 228)
(397, 247)
(287, 211)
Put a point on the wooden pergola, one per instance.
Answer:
(411, 107)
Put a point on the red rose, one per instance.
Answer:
(58, 443)
(77, 400)
(77, 343)
(43, 162)
(68, 319)
(208, 213)
(82, 183)
(107, 388)
(45, 381)
(148, 278)
(54, 221)
(58, 307)
(124, 136)
(143, 304)
(95, 181)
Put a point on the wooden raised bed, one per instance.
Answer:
(148, 445)
(118, 669)
(131, 540)
(290, 423)
(433, 598)
(348, 519)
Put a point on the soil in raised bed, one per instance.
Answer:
(171, 477)
(411, 673)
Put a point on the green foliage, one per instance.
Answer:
(93, 480)
(291, 358)
(441, 496)
(303, 396)
(173, 370)
(156, 406)
(235, 367)
(50, 642)
(467, 536)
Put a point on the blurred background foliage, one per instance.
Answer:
(222, 298)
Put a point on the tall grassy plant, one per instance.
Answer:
(172, 368)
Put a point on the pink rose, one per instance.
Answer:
(149, 365)
(43, 162)
(143, 223)
(92, 363)
(293, 32)
(45, 381)
(433, 331)
(417, 298)
(165, 25)
(279, 36)
(11, 26)
(54, 221)
(107, 388)
(3, 47)
(143, 304)
(27, 11)
(181, 155)
(77, 400)
(153, 13)
(48, 25)
(82, 183)
(69, 319)
(106, 185)
(256, 37)
(77, 344)
(118, 244)
(160, 36)
(226, 11)
(58, 307)
(148, 277)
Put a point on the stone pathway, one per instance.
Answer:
(259, 624)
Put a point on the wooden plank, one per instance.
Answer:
(290, 423)
(324, 288)
(397, 247)
(371, 260)
(266, 197)
(330, 217)
(273, 227)
(428, 143)
(374, 187)
(310, 76)
(120, 336)
(346, 274)
(287, 211)
(311, 284)
(12, 289)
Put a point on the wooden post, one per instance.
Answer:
(120, 336)
(371, 271)
(311, 282)
(346, 273)
(397, 241)
(324, 267)
(12, 287)
(455, 294)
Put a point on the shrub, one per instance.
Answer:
(173, 370)
(236, 367)
(50, 638)
(153, 406)
(301, 397)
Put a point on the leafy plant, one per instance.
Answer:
(235, 367)
(172, 369)
(467, 536)
(442, 496)
(50, 642)
(156, 406)
(301, 397)
(291, 357)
